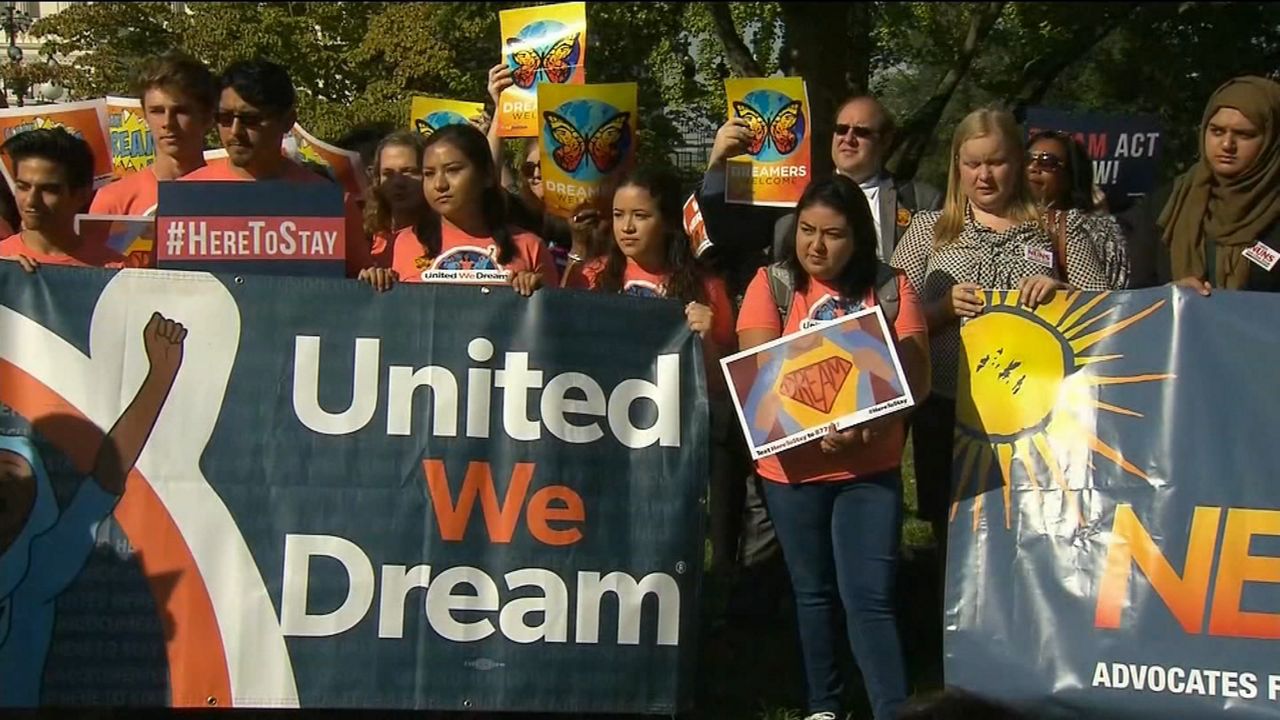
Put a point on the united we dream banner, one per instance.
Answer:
(775, 169)
(133, 147)
(227, 491)
(1114, 548)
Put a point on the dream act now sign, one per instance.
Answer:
(436, 497)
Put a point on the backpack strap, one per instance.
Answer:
(782, 289)
(887, 295)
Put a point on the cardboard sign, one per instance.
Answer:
(271, 227)
(86, 119)
(343, 166)
(837, 374)
(776, 168)
(133, 147)
(1125, 149)
(542, 45)
(426, 115)
(133, 236)
(586, 134)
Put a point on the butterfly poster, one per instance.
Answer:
(426, 115)
(344, 166)
(586, 134)
(542, 45)
(133, 148)
(775, 169)
(133, 236)
(86, 119)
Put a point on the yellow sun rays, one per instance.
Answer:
(1034, 452)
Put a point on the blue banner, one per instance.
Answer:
(1125, 149)
(282, 492)
(1114, 548)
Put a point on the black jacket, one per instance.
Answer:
(1149, 261)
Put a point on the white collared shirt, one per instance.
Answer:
(871, 188)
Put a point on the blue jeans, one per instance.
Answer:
(840, 542)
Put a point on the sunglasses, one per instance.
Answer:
(226, 118)
(1047, 162)
(859, 131)
(530, 169)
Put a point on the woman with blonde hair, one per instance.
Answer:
(989, 235)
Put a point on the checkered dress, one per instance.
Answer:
(999, 261)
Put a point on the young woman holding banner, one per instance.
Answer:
(467, 220)
(836, 503)
(650, 257)
(394, 200)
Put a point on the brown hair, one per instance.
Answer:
(179, 72)
(377, 211)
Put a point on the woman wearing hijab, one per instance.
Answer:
(1219, 224)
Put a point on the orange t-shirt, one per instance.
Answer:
(461, 253)
(358, 252)
(135, 194)
(642, 283)
(821, 302)
(87, 255)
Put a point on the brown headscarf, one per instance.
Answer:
(1233, 212)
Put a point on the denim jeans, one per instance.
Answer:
(840, 542)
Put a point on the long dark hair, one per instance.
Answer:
(845, 197)
(685, 283)
(1079, 169)
(472, 143)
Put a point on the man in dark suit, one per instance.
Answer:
(745, 237)
(741, 241)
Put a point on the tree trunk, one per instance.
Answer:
(741, 62)
(909, 147)
(831, 49)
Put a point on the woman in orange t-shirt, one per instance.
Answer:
(464, 238)
(394, 200)
(650, 258)
(836, 503)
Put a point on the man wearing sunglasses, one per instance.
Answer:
(862, 135)
(255, 111)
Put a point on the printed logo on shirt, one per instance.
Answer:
(1040, 256)
(467, 264)
(1262, 255)
(829, 308)
(643, 288)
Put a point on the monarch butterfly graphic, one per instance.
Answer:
(607, 146)
(557, 63)
(780, 129)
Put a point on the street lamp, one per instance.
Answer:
(14, 21)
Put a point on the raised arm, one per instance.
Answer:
(163, 340)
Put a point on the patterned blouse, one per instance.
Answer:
(999, 261)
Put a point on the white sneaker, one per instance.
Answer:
(821, 716)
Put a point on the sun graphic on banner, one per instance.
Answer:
(1027, 393)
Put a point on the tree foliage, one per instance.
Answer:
(356, 64)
